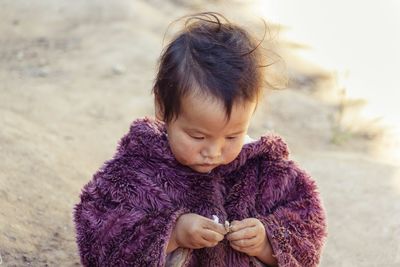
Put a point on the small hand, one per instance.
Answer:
(195, 231)
(249, 236)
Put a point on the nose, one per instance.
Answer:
(212, 151)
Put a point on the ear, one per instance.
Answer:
(158, 109)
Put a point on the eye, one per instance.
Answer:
(231, 137)
(197, 137)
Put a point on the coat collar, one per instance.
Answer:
(147, 138)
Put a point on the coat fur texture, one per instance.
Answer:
(128, 210)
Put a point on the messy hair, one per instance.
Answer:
(211, 56)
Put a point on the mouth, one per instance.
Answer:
(205, 168)
(207, 165)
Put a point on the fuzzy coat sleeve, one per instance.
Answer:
(123, 218)
(290, 208)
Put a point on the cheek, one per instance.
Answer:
(232, 151)
(184, 150)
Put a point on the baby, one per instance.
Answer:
(184, 189)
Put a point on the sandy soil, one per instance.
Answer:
(73, 77)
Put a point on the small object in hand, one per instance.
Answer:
(227, 226)
(215, 219)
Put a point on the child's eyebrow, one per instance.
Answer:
(196, 131)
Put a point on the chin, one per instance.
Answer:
(203, 168)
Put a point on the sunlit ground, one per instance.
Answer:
(75, 73)
(359, 41)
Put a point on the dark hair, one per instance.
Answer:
(212, 56)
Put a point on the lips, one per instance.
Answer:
(208, 165)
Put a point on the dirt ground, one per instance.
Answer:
(73, 75)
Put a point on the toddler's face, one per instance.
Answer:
(201, 137)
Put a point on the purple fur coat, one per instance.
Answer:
(128, 210)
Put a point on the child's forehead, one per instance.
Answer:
(209, 111)
(199, 98)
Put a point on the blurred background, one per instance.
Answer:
(75, 74)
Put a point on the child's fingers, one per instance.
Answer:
(216, 227)
(212, 236)
(238, 225)
(245, 233)
(244, 244)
